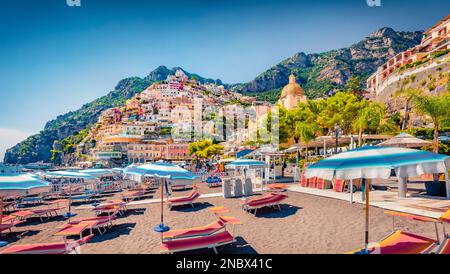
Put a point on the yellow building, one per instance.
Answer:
(291, 94)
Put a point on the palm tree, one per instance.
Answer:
(370, 116)
(306, 132)
(435, 107)
(408, 94)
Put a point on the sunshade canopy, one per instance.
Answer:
(246, 163)
(160, 169)
(374, 162)
(405, 140)
(22, 184)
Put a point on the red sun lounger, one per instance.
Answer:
(273, 201)
(218, 210)
(277, 187)
(400, 242)
(202, 230)
(52, 248)
(194, 231)
(186, 200)
(211, 241)
(77, 227)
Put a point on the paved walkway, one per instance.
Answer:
(425, 206)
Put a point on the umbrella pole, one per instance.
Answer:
(366, 236)
(162, 205)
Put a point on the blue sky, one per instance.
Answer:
(54, 58)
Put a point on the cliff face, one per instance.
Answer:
(322, 72)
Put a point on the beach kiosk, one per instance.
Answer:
(244, 165)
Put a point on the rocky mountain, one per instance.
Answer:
(161, 73)
(320, 73)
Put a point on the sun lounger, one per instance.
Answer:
(401, 242)
(312, 182)
(211, 241)
(201, 230)
(41, 212)
(218, 210)
(338, 185)
(194, 231)
(52, 248)
(110, 207)
(185, 200)
(267, 201)
(277, 187)
(78, 226)
(136, 194)
(9, 224)
(303, 181)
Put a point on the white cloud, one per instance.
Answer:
(10, 137)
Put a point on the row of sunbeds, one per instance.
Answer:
(75, 228)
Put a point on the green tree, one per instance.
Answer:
(306, 132)
(369, 117)
(437, 108)
(204, 149)
(408, 93)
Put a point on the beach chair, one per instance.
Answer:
(130, 195)
(338, 185)
(402, 242)
(8, 223)
(219, 210)
(277, 187)
(211, 241)
(270, 200)
(78, 226)
(200, 231)
(312, 182)
(40, 212)
(110, 207)
(445, 245)
(185, 200)
(66, 247)
(303, 180)
(322, 184)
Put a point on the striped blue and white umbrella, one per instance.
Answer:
(22, 184)
(159, 169)
(372, 162)
(246, 163)
(378, 162)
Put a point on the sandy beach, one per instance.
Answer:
(306, 224)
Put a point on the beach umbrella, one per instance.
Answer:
(165, 171)
(19, 185)
(68, 174)
(22, 184)
(375, 162)
(405, 140)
